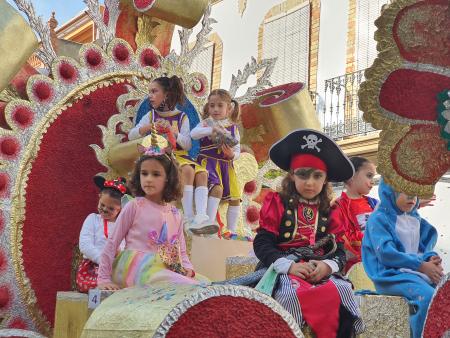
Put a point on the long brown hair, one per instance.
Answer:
(172, 189)
(173, 87)
(288, 191)
(226, 97)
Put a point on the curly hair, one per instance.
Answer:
(288, 191)
(172, 189)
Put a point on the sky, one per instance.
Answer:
(64, 9)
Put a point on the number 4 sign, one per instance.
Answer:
(94, 298)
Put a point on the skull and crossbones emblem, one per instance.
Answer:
(311, 142)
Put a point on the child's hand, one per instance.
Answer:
(321, 271)
(301, 270)
(436, 260)
(190, 273)
(427, 202)
(219, 129)
(228, 152)
(145, 129)
(108, 286)
(433, 271)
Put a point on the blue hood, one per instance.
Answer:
(388, 198)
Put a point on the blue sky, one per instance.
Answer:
(65, 9)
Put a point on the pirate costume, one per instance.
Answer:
(328, 307)
(93, 237)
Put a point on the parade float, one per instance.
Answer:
(59, 130)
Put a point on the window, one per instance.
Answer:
(204, 61)
(367, 11)
(287, 37)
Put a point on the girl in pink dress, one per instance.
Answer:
(155, 248)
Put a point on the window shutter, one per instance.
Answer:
(367, 12)
(287, 38)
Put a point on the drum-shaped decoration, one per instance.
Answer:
(189, 311)
(276, 112)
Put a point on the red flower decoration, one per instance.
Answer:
(94, 59)
(43, 91)
(143, 5)
(250, 187)
(121, 53)
(68, 72)
(23, 116)
(252, 214)
(9, 147)
(150, 58)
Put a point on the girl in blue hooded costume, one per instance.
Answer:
(397, 253)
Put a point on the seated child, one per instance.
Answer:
(219, 148)
(297, 217)
(96, 229)
(165, 94)
(353, 207)
(397, 253)
(152, 228)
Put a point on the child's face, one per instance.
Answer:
(218, 109)
(153, 179)
(156, 94)
(309, 182)
(362, 182)
(108, 207)
(406, 202)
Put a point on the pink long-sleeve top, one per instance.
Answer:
(135, 223)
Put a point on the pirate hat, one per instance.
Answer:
(319, 152)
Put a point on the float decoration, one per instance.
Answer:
(400, 93)
(180, 313)
(437, 323)
(262, 81)
(106, 23)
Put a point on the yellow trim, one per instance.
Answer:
(184, 161)
(215, 158)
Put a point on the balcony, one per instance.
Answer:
(339, 113)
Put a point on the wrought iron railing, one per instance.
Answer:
(314, 98)
(340, 115)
